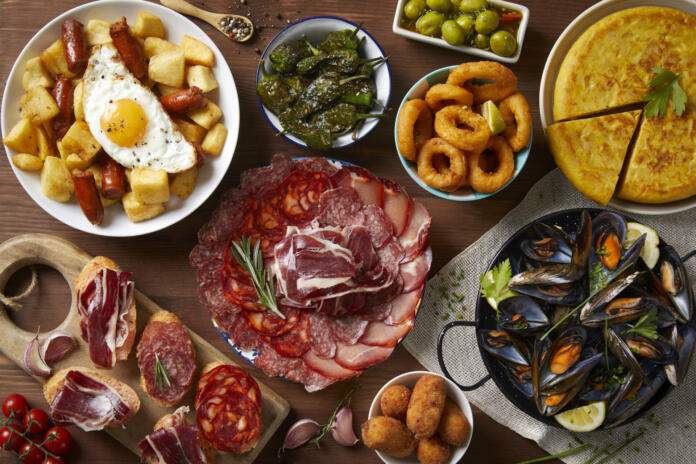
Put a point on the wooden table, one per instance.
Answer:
(160, 261)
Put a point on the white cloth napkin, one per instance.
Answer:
(670, 434)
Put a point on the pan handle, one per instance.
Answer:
(688, 256)
(441, 360)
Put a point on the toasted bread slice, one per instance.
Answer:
(85, 277)
(167, 421)
(127, 394)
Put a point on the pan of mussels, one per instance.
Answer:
(594, 309)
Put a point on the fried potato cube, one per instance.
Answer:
(73, 162)
(97, 172)
(148, 25)
(389, 436)
(97, 32)
(206, 116)
(394, 401)
(79, 140)
(62, 151)
(38, 105)
(35, 75)
(432, 450)
(202, 77)
(192, 132)
(53, 59)
(165, 90)
(196, 52)
(138, 211)
(183, 183)
(27, 162)
(215, 140)
(77, 102)
(150, 186)
(56, 181)
(22, 138)
(154, 46)
(168, 68)
(46, 146)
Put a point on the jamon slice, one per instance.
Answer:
(327, 367)
(369, 189)
(359, 356)
(414, 272)
(404, 307)
(381, 334)
(174, 441)
(397, 205)
(415, 238)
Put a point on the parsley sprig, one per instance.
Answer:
(664, 85)
(251, 260)
(645, 326)
(161, 375)
(496, 286)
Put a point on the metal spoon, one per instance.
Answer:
(235, 27)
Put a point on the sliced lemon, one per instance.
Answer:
(650, 252)
(584, 418)
(493, 116)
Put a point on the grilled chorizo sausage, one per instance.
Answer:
(183, 101)
(129, 48)
(88, 196)
(63, 93)
(74, 46)
(113, 178)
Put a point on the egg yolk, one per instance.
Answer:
(124, 122)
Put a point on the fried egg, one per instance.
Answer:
(128, 120)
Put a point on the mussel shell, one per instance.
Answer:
(683, 340)
(679, 289)
(551, 383)
(550, 245)
(598, 390)
(504, 346)
(657, 351)
(625, 406)
(623, 353)
(540, 353)
(521, 378)
(552, 274)
(582, 245)
(599, 276)
(522, 315)
(597, 303)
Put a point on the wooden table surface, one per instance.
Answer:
(160, 260)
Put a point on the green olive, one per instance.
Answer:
(414, 8)
(470, 6)
(453, 33)
(480, 41)
(442, 6)
(466, 22)
(503, 43)
(429, 23)
(487, 22)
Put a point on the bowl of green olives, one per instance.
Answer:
(492, 29)
(323, 82)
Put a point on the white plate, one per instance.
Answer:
(403, 32)
(409, 380)
(116, 223)
(314, 29)
(558, 53)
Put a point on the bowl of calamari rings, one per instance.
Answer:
(464, 132)
(323, 82)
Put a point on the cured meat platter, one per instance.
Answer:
(68, 259)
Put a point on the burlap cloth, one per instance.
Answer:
(670, 435)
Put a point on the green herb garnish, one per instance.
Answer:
(666, 83)
(329, 425)
(645, 326)
(251, 261)
(161, 375)
(496, 287)
(569, 452)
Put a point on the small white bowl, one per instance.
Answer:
(409, 380)
(314, 29)
(398, 30)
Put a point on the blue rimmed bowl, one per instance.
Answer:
(419, 90)
(314, 29)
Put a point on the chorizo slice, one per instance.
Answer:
(74, 45)
(128, 48)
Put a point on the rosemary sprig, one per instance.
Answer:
(161, 375)
(329, 425)
(251, 260)
(576, 450)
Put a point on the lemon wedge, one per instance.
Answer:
(650, 252)
(584, 418)
(493, 116)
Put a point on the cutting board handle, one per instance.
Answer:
(25, 250)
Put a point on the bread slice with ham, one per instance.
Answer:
(106, 305)
(175, 440)
(89, 399)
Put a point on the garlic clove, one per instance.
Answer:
(342, 430)
(33, 362)
(300, 433)
(57, 344)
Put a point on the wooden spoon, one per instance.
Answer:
(244, 26)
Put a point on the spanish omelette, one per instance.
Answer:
(591, 151)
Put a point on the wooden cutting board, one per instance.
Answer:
(68, 259)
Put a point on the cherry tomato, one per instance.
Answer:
(16, 403)
(35, 421)
(9, 438)
(58, 440)
(30, 454)
(52, 460)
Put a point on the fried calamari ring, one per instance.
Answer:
(515, 112)
(472, 136)
(488, 182)
(504, 81)
(441, 95)
(441, 165)
(413, 127)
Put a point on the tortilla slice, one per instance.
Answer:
(591, 151)
(662, 166)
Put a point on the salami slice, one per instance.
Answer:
(322, 339)
(340, 207)
(224, 379)
(378, 225)
(348, 328)
(170, 344)
(230, 422)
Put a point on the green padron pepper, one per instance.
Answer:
(345, 38)
(285, 56)
(275, 94)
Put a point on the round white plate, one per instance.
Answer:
(558, 53)
(116, 223)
